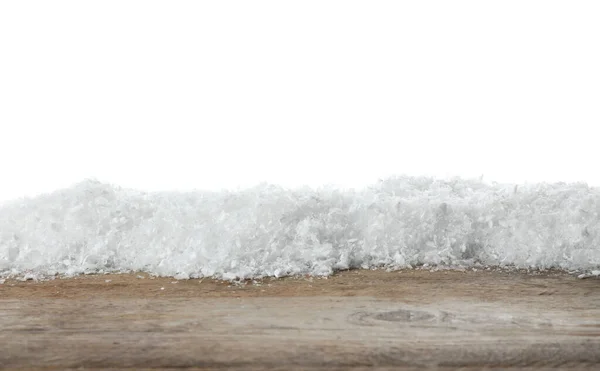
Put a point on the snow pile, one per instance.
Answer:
(272, 231)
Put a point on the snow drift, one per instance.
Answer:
(271, 231)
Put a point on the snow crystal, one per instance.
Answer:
(272, 231)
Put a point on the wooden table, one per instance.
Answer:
(354, 320)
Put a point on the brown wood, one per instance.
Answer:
(354, 320)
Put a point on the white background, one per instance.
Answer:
(208, 94)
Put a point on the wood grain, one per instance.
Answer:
(354, 320)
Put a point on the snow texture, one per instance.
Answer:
(272, 231)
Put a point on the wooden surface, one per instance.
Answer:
(355, 320)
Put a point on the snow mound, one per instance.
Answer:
(271, 231)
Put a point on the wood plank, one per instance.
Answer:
(412, 319)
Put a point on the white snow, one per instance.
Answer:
(272, 231)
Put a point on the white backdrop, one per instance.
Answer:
(179, 95)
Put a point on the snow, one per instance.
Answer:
(269, 230)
